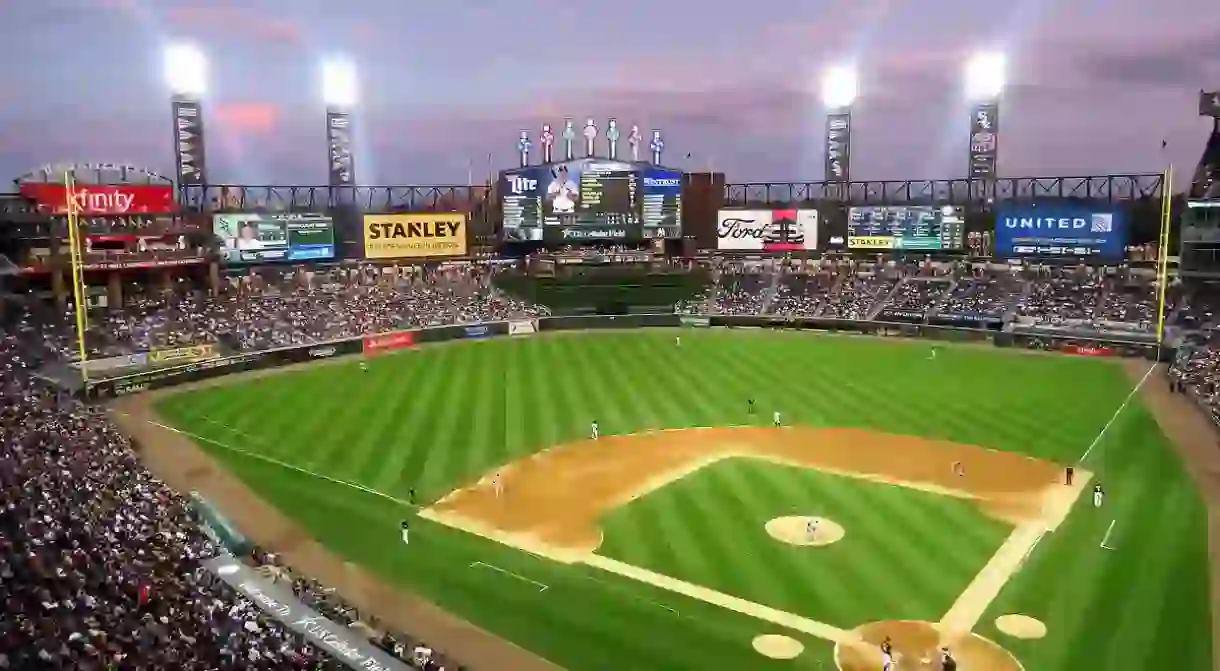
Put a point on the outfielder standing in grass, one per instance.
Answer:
(405, 530)
(595, 431)
(776, 418)
(1098, 495)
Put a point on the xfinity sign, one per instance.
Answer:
(1060, 229)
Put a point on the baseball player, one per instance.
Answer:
(776, 418)
(958, 469)
(594, 431)
(364, 367)
(405, 534)
(750, 405)
(887, 655)
(497, 483)
(947, 663)
(1068, 474)
(932, 355)
(677, 341)
(1098, 495)
(811, 528)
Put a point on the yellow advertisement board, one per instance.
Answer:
(182, 354)
(412, 236)
(870, 242)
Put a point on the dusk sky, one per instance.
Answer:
(1095, 85)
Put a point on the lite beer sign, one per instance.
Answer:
(101, 200)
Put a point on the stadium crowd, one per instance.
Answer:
(281, 311)
(100, 561)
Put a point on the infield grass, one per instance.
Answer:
(437, 418)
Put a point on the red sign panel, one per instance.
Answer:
(1089, 350)
(117, 264)
(390, 342)
(95, 200)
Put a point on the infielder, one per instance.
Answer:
(594, 431)
(776, 418)
(405, 535)
(1098, 495)
(958, 469)
(887, 655)
(497, 483)
(811, 527)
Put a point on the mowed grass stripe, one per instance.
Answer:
(807, 589)
(852, 561)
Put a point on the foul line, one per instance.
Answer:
(1122, 406)
(1107, 537)
(633, 596)
(541, 587)
(282, 464)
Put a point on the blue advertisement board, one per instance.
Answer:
(1060, 229)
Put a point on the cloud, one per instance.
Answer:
(249, 118)
(235, 23)
(1187, 62)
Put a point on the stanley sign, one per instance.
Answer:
(413, 236)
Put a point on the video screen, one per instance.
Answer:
(590, 200)
(915, 227)
(269, 238)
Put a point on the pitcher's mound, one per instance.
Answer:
(795, 530)
(914, 642)
(778, 647)
(1020, 626)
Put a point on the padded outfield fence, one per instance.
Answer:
(964, 330)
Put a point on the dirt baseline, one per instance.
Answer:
(550, 503)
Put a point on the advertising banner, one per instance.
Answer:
(409, 236)
(342, 166)
(1089, 350)
(182, 354)
(113, 363)
(767, 230)
(189, 143)
(696, 322)
(1060, 229)
(261, 238)
(389, 342)
(216, 526)
(476, 332)
(345, 644)
(984, 140)
(522, 327)
(94, 200)
(838, 147)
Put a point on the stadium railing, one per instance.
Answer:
(962, 328)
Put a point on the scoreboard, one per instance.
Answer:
(591, 199)
(915, 227)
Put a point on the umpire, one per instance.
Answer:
(947, 663)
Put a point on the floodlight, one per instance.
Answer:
(186, 69)
(985, 75)
(339, 87)
(839, 87)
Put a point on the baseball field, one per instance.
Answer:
(907, 495)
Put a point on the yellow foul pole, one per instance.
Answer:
(1162, 269)
(78, 278)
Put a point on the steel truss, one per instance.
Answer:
(372, 199)
(946, 191)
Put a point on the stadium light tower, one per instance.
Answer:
(186, 74)
(341, 93)
(985, 77)
(840, 86)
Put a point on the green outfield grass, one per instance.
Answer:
(441, 416)
(715, 521)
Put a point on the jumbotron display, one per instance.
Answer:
(916, 227)
(591, 199)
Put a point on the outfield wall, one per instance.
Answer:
(966, 331)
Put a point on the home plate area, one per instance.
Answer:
(553, 504)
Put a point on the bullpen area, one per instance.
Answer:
(905, 492)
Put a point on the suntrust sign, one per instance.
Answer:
(1060, 229)
(101, 200)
